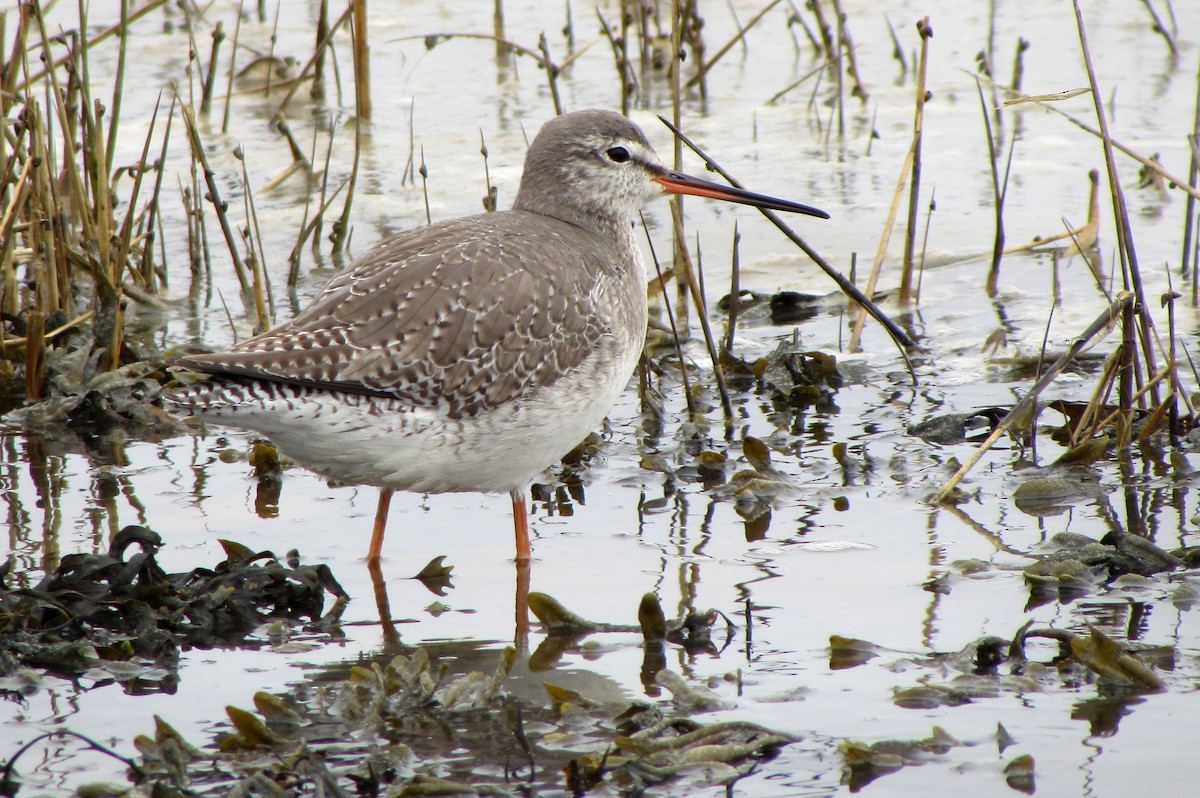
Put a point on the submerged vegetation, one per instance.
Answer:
(128, 235)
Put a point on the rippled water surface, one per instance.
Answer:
(849, 547)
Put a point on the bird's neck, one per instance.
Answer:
(597, 218)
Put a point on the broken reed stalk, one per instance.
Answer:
(1021, 409)
(1125, 390)
(702, 71)
(210, 77)
(307, 230)
(914, 188)
(901, 338)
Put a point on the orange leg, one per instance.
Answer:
(381, 514)
(524, 551)
(521, 601)
(521, 526)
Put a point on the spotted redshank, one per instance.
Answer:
(471, 354)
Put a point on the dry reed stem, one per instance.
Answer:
(209, 81)
(17, 343)
(914, 188)
(1104, 321)
(885, 238)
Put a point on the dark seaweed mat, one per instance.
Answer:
(117, 606)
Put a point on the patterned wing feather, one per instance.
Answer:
(465, 315)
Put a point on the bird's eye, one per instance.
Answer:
(617, 154)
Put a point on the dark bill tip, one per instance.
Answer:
(678, 183)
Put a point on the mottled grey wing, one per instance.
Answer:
(463, 315)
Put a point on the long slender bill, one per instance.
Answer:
(679, 183)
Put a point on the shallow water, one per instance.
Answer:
(850, 550)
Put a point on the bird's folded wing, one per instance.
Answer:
(463, 316)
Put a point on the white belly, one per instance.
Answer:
(370, 440)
